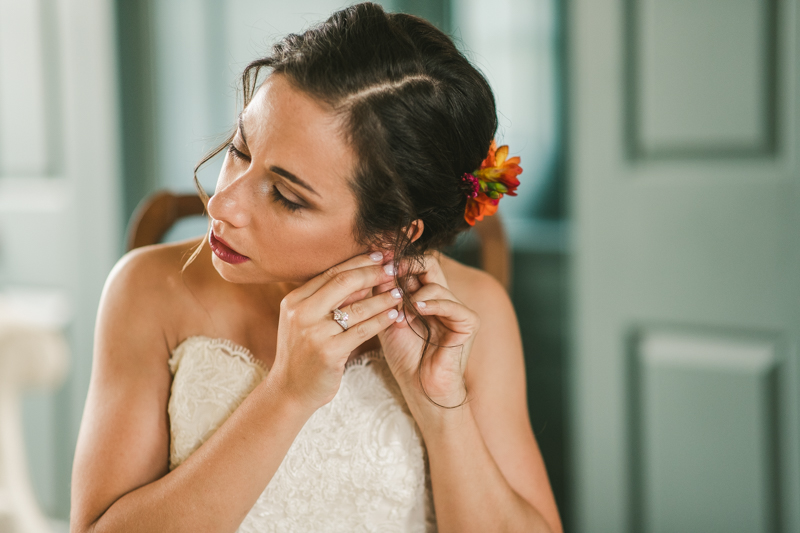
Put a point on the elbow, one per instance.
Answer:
(83, 526)
(542, 519)
(75, 527)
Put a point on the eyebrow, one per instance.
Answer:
(278, 170)
(291, 177)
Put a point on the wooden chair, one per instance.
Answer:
(156, 214)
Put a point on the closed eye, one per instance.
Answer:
(288, 204)
(274, 192)
(237, 153)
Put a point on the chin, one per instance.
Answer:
(239, 273)
(247, 272)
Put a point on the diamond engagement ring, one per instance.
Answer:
(341, 318)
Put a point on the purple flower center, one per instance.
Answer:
(472, 182)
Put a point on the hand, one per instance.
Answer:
(312, 348)
(453, 329)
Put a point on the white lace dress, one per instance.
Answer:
(359, 463)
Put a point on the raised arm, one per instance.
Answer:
(486, 469)
(492, 433)
(121, 480)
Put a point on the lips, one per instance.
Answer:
(222, 250)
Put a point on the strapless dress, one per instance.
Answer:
(359, 463)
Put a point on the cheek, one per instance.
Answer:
(297, 250)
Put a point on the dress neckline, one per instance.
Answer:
(247, 354)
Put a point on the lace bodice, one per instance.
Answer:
(358, 465)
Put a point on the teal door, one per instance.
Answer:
(686, 303)
(60, 223)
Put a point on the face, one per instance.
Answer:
(283, 199)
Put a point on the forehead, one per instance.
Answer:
(286, 127)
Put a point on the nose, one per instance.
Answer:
(230, 203)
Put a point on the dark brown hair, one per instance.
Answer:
(416, 112)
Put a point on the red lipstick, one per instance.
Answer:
(223, 251)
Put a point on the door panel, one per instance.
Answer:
(701, 76)
(24, 59)
(686, 270)
(704, 432)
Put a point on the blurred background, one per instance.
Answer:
(654, 241)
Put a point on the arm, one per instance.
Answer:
(486, 468)
(121, 480)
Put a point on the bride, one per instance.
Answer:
(314, 363)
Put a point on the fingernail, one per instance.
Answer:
(376, 256)
(389, 269)
(396, 293)
(422, 305)
(401, 317)
(393, 314)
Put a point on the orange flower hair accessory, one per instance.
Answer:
(495, 177)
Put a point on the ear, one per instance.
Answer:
(414, 230)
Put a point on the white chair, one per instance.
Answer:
(33, 354)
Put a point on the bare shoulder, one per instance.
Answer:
(478, 290)
(156, 266)
(148, 288)
(497, 351)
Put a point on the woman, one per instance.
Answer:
(316, 364)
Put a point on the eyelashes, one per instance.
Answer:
(278, 197)
(236, 153)
(274, 192)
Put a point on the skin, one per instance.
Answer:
(486, 469)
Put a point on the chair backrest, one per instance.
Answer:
(156, 214)
(494, 255)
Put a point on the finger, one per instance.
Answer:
(412, 285)
(428, 263)
(358, 295)
(450, 312)
(338, 288)
(427, 269)
(315, 283)
(432, 271)
(367, 308)
(353, 337)
(433, 291)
